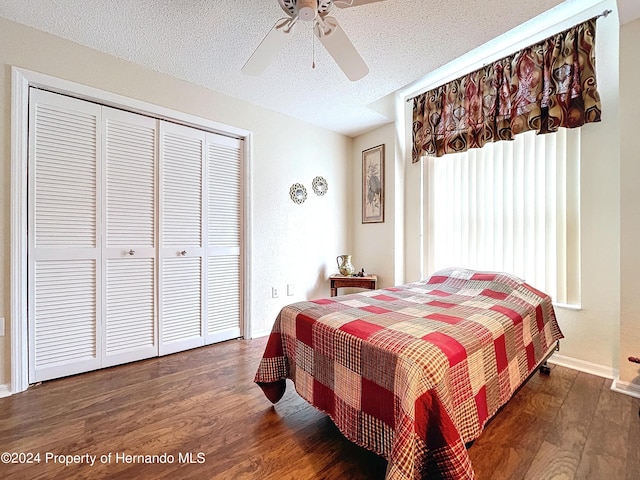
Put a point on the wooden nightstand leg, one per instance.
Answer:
(334, 292)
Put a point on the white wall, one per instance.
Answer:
(291, 243)
(592, 333)
(630, 202)
(375, 246)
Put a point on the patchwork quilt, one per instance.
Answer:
(413, 372)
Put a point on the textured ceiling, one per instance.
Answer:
(208, 41)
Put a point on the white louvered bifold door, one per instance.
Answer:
(134, 236)
(130, 224)
(224, 220)
(182, 261)
(64, 236)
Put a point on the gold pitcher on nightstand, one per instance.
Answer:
(344, 265)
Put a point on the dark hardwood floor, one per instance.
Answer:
(568, 425)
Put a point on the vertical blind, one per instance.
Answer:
(509, 206)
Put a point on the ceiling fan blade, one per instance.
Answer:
(275, 41)
(352, 3)
(335, 40)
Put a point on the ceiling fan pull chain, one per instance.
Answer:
(313, 49)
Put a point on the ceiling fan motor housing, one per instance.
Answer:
(306, 10)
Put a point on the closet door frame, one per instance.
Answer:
(22, 80)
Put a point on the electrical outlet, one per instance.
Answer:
(1, 327)
(274, 292)
(290, 289)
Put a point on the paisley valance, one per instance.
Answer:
(542, 87)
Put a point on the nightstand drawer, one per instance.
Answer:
(339, 281)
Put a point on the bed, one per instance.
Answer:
(414, 372)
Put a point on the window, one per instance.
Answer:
(510, 206)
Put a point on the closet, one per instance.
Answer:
(135, 232)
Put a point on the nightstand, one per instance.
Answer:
(339, 281)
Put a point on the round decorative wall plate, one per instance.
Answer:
(298, 193)
(320, 186)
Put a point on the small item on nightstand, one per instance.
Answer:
(361, 273)
(345, 266)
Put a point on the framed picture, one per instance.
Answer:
(373, 185)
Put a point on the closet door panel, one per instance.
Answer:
(181, 309)
(130, 331)
(224, 162)
(182, 261)
(181, 153)
(65, 305)
(224, 294)
(224, 236)
(64, 236)
(130, 144)
(63, 171)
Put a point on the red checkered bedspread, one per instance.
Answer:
(413, 372)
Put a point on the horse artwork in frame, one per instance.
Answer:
(373, 185)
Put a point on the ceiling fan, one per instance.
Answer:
(325, 27)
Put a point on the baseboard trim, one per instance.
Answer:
(626, 388)
(631, 389)
(5, 390)
(584, 366)
(265, 332)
